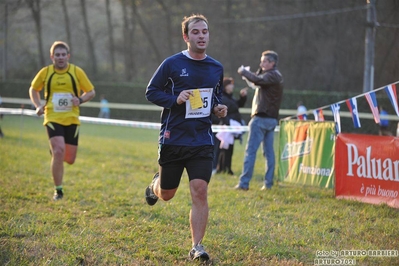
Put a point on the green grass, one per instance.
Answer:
(104, 220)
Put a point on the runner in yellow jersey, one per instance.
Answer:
(66, 87)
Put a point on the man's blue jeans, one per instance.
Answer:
(261, 129)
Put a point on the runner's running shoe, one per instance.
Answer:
(198, 253)
(150, 197)
(58, 194)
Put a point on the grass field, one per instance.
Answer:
(104, 220)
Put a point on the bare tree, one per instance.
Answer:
(90, 45)
(321, 43)
(67, 27)
(110, 34)
(168, 23)
(387, 47)
(147, 33)
(127, 40)
(34, 6)
(5, 49)
(229, 34)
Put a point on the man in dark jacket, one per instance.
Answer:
(264, 117)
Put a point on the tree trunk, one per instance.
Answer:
(5, 50)
(110, 35)
(90, 45)
(147, 33)
(168, 25)
(127, 40)
(35, 8)
(67, 27)
(229, 37)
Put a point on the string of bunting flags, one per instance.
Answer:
(351, 103)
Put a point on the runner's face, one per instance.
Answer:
(60, 58)
(198, 36)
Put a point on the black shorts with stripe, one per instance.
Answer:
(70, 133)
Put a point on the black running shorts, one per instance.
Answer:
(70, 133)
(173, 159)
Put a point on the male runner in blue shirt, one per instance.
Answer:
(188, 86)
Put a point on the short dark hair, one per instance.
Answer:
(272, 56)
(59, 44)
(227, 81)
(193, 18)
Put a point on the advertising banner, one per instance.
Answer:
(367, 168)
(306, 153)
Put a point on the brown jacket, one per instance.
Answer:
(269, 92)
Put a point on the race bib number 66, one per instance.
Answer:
(62, 102)
(194, 111)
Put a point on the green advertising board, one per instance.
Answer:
(306, 153)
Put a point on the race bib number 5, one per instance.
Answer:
(62, 102)
(195, 111)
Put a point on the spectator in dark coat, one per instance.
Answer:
(225, 140)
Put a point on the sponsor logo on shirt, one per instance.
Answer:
(184, 73)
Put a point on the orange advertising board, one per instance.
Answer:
(367, 168)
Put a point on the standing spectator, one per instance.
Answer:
(301, 111)
(63, 83)
(224, 152)
(264, 117)
(104, 109)
(384, 123)
(188, 85)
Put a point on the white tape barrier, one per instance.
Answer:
(117, 122)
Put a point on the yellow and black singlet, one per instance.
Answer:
(60, 87)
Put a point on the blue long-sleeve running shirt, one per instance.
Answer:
(186, 124)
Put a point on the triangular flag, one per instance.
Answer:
(303, 117)
(335, 109)
(352, 105)
(372, 100)
(318, 115)
(391, 91)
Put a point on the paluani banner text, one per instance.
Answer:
(367, 168)
(306, 152)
